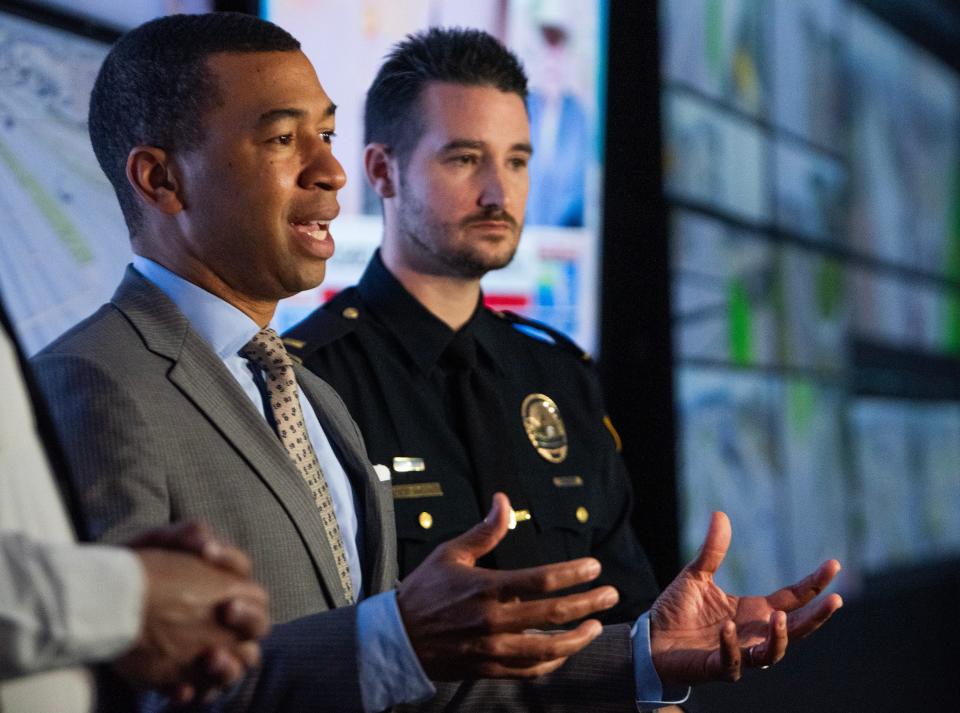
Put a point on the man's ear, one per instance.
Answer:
(381, 169)
(153, 176)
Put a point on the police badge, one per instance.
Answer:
(544, 427)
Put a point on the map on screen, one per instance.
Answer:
(64, 241)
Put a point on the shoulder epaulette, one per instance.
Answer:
(556, 336)
(332, 321)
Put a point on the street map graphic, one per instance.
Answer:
(64, 240)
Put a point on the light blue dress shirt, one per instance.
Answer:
(390, 672)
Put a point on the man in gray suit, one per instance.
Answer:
(167, 618)
(175, 401)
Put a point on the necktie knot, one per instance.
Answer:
(266, 350)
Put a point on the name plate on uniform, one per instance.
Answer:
(408, 464)
(408, 491)
(568, 481)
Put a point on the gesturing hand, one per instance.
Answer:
(467, 622)
(700, 633)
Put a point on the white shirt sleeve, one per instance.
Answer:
(65, 604)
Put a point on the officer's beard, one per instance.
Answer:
(437, 247)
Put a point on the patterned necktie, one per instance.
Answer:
(266, 350)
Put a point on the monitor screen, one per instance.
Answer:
(65, 244)
(562, 46)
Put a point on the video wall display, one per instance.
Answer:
(64, 241)
(561, 44)
(812, 169)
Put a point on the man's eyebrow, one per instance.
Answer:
(268, 117)
(476, 144)
(462, 144)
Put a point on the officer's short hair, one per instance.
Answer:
(457, 55)
(154, 87)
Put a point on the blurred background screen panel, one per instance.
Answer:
(811, 171)
(65, 244)
(562, 44)
(64, 241)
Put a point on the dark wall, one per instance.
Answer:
(636, 358)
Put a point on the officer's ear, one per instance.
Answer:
(381, 169)
(153, 175)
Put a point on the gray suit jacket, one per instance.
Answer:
(156, 430)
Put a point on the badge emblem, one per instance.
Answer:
(544, 427)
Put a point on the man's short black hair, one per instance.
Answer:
(456, 55)
(154, 87)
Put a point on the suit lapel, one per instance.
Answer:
(379, 554)
(202, 377)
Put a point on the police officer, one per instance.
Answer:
(457, 400)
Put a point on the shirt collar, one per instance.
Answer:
(422, 335)
(224, 327)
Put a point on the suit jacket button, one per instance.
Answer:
(350, 313)
(582, 514)
(426, 520)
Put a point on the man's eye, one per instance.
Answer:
(464, 159)
(283, 139)
(328, 136)
(518, 163)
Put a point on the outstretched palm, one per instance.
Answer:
(701, 633)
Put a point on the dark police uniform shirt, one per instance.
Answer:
(384, 353)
